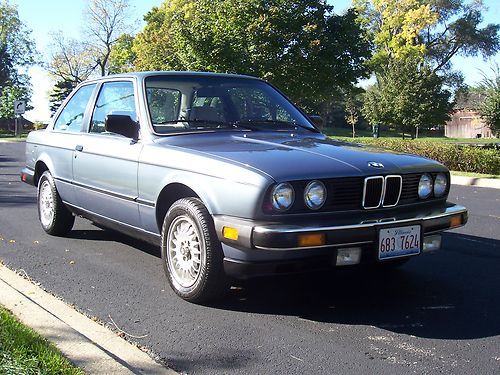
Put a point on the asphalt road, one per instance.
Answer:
(440, 313)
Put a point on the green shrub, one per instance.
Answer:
(455, 157)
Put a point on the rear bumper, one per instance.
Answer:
(269, 248)
(28, 176)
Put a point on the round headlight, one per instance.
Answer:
(440, 185)
(425, 186)
(282, 196)
(315, 195)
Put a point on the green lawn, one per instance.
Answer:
(346, 134)
(23, 351)
(9, 136)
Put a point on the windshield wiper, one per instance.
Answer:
(254, 124)
(196, 121)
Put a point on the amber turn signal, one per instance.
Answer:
(315, 239)
(455, 221)
(230, 233)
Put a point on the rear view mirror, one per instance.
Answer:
(123, 125)
(317, 121)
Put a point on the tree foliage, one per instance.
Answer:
(301, 45)
(17, 50)
(435, 30)
(407, 96)
(11, 93)
(490, 108)
(70, 63)
(414, 42)
(106, 21)
(122, 56)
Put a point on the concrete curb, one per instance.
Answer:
(90, 346)
(492, 183)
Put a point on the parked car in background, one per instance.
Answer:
(231, 180)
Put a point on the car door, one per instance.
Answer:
(65, 135)
(105, 164)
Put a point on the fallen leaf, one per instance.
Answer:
(12, 241)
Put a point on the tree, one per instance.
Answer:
(301, 46)
(352, 108)
(17, 50)
(70, 63)
(434, 30)
(122, 56)
(106, 21)
(408, 96)
(11, 93)
(490, 108)
(59, 92)
(414, 41)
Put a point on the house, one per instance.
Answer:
(465, 120)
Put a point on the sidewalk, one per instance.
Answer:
(492, 183)
(90, 346)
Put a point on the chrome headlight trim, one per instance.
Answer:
(315, 195)
(282, 197)
(425, 186)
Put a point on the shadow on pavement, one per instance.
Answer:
(452, 294)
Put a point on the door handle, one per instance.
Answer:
(79, 148)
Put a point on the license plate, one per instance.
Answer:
(399, 242)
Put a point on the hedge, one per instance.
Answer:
(455, 157)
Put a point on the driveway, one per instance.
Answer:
(440, 313)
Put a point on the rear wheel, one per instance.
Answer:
(55, 218)
(191, 253)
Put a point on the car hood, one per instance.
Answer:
(291, 156)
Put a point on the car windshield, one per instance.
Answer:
(198, 103)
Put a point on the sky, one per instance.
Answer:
(44, 17)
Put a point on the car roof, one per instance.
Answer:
(143, 75)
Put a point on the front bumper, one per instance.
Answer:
(261, 247)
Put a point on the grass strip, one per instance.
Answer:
(23, 351)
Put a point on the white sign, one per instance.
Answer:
(19, 106)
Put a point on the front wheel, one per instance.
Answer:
(191, 253)
(55, 218)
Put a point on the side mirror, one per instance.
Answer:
(123, 125)
(317, 121)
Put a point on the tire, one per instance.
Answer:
(195, 269)
(54, 217)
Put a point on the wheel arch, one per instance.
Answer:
(40, 168)
(170, 194)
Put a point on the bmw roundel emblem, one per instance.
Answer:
(374, 164)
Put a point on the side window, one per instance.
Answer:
(115, 98)
(71, 117)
